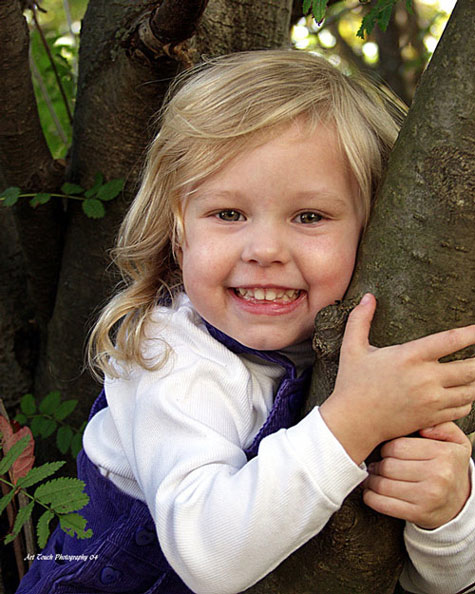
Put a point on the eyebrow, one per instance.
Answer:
(322, 194)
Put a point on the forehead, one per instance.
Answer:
(298, 156)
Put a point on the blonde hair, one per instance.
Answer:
(212, 113)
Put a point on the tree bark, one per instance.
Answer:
(32, 239)
(417, 257)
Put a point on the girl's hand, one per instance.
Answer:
(424, 481)
(381, 394)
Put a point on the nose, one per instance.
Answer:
(265, 244)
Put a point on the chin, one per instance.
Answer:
(270, 344)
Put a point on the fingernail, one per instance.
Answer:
(365, 299)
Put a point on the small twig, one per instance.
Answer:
(53, 65)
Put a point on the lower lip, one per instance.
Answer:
(267, 308)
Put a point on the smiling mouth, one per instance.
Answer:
(273, 294)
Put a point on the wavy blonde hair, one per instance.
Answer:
(211, 114)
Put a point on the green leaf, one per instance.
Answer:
(65, 409)
(35, 475)
(10, 196)
(63, 494)
(39, 199)
(75, 524)
(22, 516)
(13, 453)
(21, 418)
(28, 404)
(111, 189)
(319, 9)
(380, 14)
(5, 500)
(42, 528)
(76, 444)
(48, 427)
(98, 181)
(71, 189)
(93, 208)
(63, 438)
(50, 403)
(306, 6)
(36, 425)
(385, 16)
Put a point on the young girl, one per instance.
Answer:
(202, 478)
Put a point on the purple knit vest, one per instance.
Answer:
(124, 554)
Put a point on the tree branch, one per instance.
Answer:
(166, 28)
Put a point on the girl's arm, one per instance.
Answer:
(428, 481)
(223, 522)
(443, 560)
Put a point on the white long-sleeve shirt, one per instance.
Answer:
(174, 438)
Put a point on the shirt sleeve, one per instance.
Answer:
(225, 522)
(442, 561)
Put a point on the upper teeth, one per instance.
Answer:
(268, 294)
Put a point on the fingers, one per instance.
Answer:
(359, 323)
(458, 373)
(390, 506)
(436, 346)
(448, 432)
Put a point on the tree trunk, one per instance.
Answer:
(417, 257)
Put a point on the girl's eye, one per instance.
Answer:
(229, 215)
(308, 218)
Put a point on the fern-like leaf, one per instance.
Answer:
(75, 524)
(5, 500)
(64, 495)
(42, 528)
(22, 516)
(13, 453)
(39, 473)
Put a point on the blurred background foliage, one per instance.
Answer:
(398, 56)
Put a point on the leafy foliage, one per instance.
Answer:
(318, 8)
(61, 497)
(17, 465)
(379, 13)
(92, 199)
(49, 416)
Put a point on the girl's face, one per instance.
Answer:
(271, 238)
